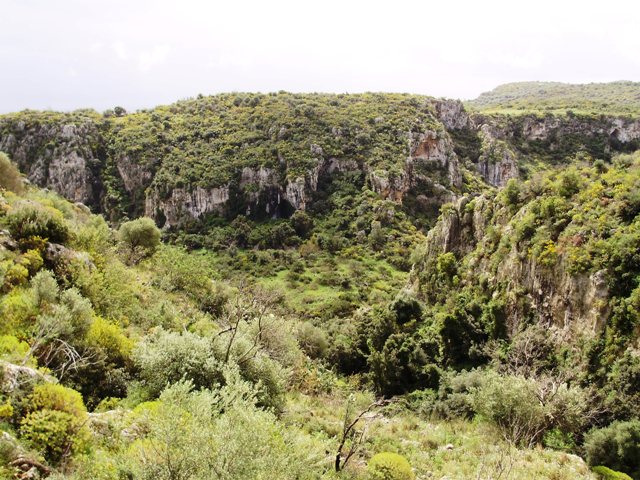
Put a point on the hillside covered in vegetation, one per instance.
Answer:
(288, 286)
(614, 98)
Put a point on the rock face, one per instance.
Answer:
(185, 204)
(452, 114)
(87, 159)
(62, 157)
(575, 302)
(509, 143)
(267, 192)
(497, 162)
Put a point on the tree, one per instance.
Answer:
(616, 446)
(140, 237)
(351, 437)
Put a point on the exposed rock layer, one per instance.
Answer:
(569, 301)
(74, 160)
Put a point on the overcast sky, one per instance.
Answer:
(66, 54)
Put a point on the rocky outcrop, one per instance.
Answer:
(431, 161)
(452, 114)
(135, 177)
(62, 157)
(185, 204)
(76, 153)
(497, 162)
(507, 143)
(625, 130)
(14, 376)
(571, 301)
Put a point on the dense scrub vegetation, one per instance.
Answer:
(157, 368)
(614, 98)
(315, 344)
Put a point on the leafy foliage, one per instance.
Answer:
(389, 466)
(141, 236)
(616, 446)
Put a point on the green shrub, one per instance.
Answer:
(12, 349)
(52, 433)
(605, 473)
(45, 288)
(53, 396)
(569, 183)
(511, 193)
(312, 340)
(32, 261)
(616, 446)
(163, 358)
(6, 411)
(524, 409)
(191, 434)
(27, 220)
(389, 466)
(110, 340)
(406, 362)
(10, 178)
(14, 275)
(141, 237)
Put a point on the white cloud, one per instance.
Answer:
(456, 48)
(149, 59)
(120, 50)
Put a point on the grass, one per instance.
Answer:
(452, 449)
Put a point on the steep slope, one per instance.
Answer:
(560, 250)
(120, 362)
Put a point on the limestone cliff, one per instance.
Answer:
(205, 157)
(508, 145)
(65, 157)
(484, 235)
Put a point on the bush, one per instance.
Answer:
(9, 175)
(141, 237)
(28, 220)
(13, 349)
(107, 374)
(32, 261)
(52, 433)
(192, 434)
(607, 474)
(616, 446)
(405, 363)
(312, 340)
(110, 340)
(524, 409)
(511, 193)
(45, 288)
(164, 358)
(53, 396)
(389, 466)
(14, 275)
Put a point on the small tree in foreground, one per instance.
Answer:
(140, 238)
